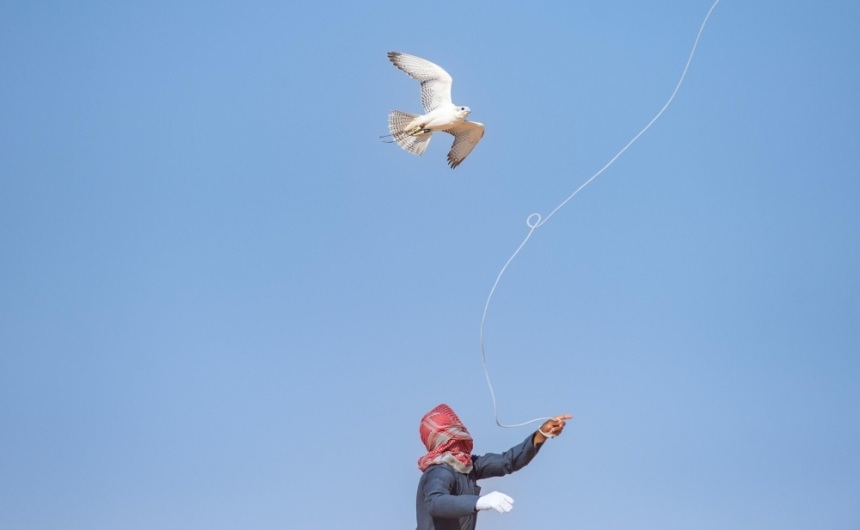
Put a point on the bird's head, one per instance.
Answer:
(463, 112)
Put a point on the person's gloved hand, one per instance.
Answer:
(497, 501)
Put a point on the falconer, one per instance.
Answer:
(449, 497)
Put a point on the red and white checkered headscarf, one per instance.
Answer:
(446, 439)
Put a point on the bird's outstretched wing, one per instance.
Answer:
(466, 137)
(435, 81)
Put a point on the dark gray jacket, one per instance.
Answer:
(446, 499)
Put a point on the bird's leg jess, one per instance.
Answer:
(418, 130)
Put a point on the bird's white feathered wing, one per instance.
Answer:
(466, 137)
(435, 81)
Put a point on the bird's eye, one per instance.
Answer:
(462, 108)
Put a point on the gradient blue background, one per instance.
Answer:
(224, 303)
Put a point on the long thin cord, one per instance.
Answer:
(534, 221)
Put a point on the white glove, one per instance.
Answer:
(496, 500)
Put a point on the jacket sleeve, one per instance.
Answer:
(514, 459)
(438, 495)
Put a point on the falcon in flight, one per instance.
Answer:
(412, 132)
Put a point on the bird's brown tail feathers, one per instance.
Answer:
(415, 144)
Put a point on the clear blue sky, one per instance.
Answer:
(225, 303)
